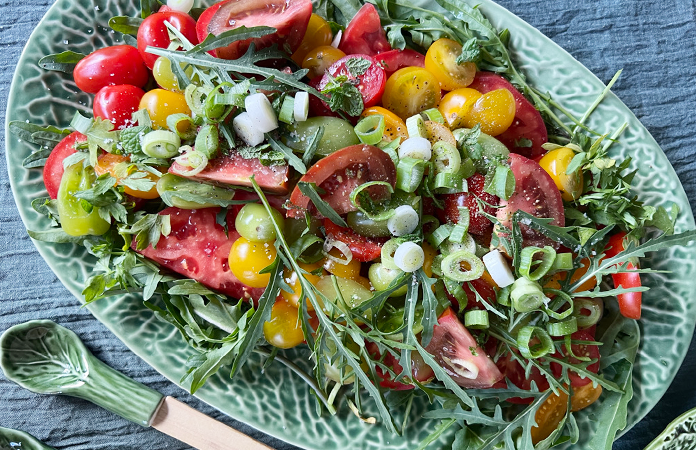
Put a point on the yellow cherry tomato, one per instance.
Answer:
(284, 329)
(495, 111)
(455, 106)
(428, 261)
(318, 33)
(394, 127)
(350, 270)
(108, 162)
(291, 278)
(411, 90)
(248, 258)
(320, 59)
(161, 103)
(441, 61)
(555, 163)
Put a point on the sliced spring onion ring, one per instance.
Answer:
(540, 349)
(287, 110)
(416, 147)
(563, 261)
(81, 123)
(387, 255)
(503, 296)
(194, 159)
(261, 111)
(561, 298)
(452, 266)
(476, 319)
(383, 215)
(245, 128)
(527, 295)
(448, 183)
(461, 229)
(498, 268)
(595, 306)
(433, 114)
(468, 244)
(564, 328)
(440, 235)
(342, 247)
(196, 97)
(390, 148)
(409, 173)
(446, 157)
(409, 257)
(208, 140)
(182, 125)
(529, 257)
(160, 144)
(404, 221)
(415, 127)
(214, 109)
(301, 109)
(456, 290)
(370, 129)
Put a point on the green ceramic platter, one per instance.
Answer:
(279, 403)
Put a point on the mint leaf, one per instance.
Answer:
(130, 138)
(357, 66)
(343, 95)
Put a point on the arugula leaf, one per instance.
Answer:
(125, 24)
(310, 190)
(61, 62)
(287, 153)
(226, 38)
(471, 52)
(312, 146)
(148, 7)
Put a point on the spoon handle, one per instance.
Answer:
(198, 430)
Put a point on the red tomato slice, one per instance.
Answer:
(535, 193)
(420, 371)
(394, 60)
(364, 249)
(456, 350)
(370, 84)
(198, 248)
(153, 33)
(588, 351)
(117, 104)
(364, 34)
(53, 170)
(483, 289)
(340, 173)
(478, 223)
(237, 171)
(528, 123)
(118, 64)
(290, 18)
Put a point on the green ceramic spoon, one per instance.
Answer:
(48, 359)
(14, 439)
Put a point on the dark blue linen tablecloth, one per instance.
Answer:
(655, 44)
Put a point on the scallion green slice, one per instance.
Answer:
(564, 328)
(287, 110)
(530, 257)
(409, 174)
(542, 346)
(454, 266)
(415, 127)
(446, 158)
(476, 319)
(527, 295)
(208, 140)
(563, 261)
(595, 307)
(160, 144)
(370, 129)
(433, 114)
(440, 235)
(182, 125)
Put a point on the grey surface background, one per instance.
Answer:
(655, 44)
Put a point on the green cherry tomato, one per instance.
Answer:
(338, 133)
(381, 278)
(361, 224)
(255, 224)
(77, 217)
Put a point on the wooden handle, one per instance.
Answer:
(198, 430)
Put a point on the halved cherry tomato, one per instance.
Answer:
(291, 278)
(350, 270)
(629, 303)
(320, 59)
(289, 18)
(364, 34)
(583, 350)
(420, 371)
(456, 105)
(535, 193)
(452, 345)
(248, 259)
(556, 163)
(153, 32)
(528, 124)
(370, 83)
(394, 60)
(364, 248)
(340, 173)
(478, 223)
(283, 330)
(494, 111)
(117, 104)
(107, 164)
(411, 90)
(441, 61)
(318, 34)
(555, 280)
(53, 169)
(394, 127)
(161, 103)
(110, 66)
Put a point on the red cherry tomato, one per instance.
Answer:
(119, 64)
(364, 34)
(527, 125)
(516, 374)
(364, 249)
(535, 193)
(370, 83)
(340, 173)
(420, 371)
(53, 170)
(478, 223)
(394, 60)
(289, 18)
(317, 107)
(629, 303)
(153, 32)
(117, 103)
(582, 350)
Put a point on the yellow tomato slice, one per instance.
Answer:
(455, 106)
(318, 33)
(555, 163)
(495, 111)
(411, 90)
(319, 59)
(441, 61)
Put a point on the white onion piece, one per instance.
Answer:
(246, 129)
(342, 247)
(261, 112)
(337, 40)
(416, 147)
(404, 221)
(183, 6)
(498, 268)
(301, 107)
(409, 257)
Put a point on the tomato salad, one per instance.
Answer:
(375, 185)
